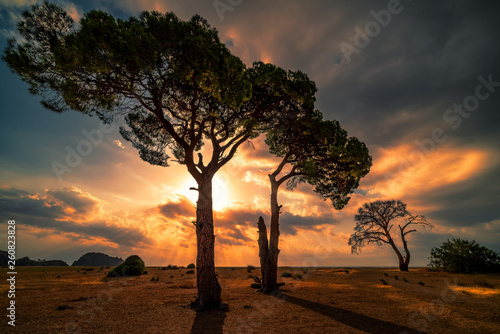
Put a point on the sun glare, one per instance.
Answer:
(220, 192)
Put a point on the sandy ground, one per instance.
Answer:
(316, 301)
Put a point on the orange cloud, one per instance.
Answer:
(405, 171)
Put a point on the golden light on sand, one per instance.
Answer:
(476, 290)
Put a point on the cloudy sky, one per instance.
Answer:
(417, 81)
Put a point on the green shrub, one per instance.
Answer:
(250, 268)
(383, 281)
(190, 271)
(404, 279)
(191, 266)
(133, 266)
(421, 283)
(463, 256)
(286, 274)
(396, 277)
(385, 274)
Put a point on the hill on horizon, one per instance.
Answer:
(97, 259)
(26, 261)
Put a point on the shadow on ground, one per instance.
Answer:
(352, 319)
(209, 321)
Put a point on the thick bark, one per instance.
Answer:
(209, 290)
(404, 265)
(263, 252)
(269, 255)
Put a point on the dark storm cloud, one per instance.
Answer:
(42, 212)
(426, 59)
(469, 202)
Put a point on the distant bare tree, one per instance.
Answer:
(374, 222)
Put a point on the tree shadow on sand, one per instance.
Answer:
(209, 322)
(352, 319)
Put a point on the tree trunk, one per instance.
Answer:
(263, 253)
(209, 290)
(406, 261)
(403, 266)
(269, 255)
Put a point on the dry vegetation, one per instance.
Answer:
(339, 300)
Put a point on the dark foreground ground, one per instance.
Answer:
(75, 300)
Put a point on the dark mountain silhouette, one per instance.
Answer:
(97, 259)
(26, 261)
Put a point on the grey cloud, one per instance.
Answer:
(289, 223)
(467, 203)
(181, 208)
(42, 213)
(82, 203)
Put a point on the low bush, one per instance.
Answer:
(463, 256)
(133, 266)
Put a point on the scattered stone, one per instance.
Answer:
(64, 307)
(247, 306)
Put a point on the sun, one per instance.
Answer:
(220, 192)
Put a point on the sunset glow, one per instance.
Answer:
(409, 93)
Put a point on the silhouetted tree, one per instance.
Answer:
(374, 223)
(464, 256)
(177, 86)
(319, 153)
